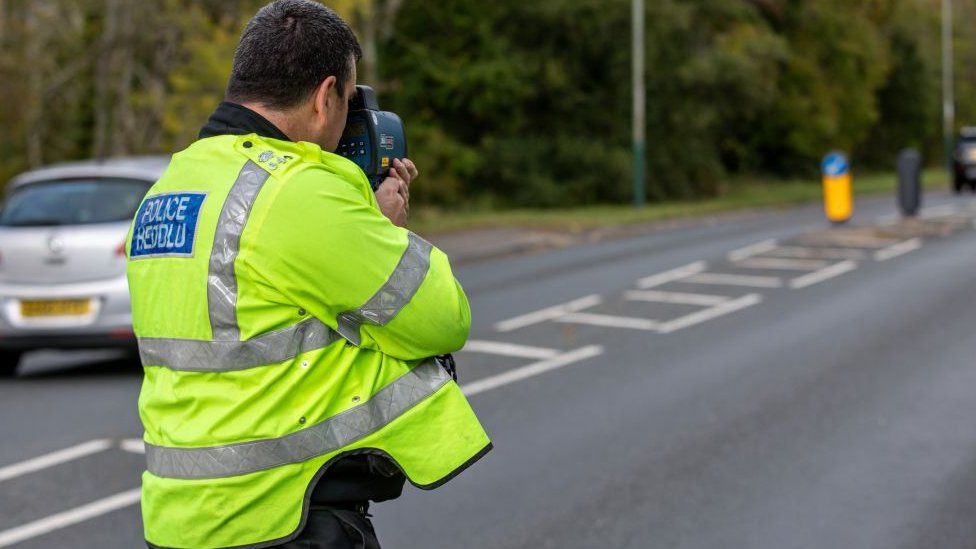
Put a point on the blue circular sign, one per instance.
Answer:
(835, 164)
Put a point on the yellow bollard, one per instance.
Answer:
(837, 187)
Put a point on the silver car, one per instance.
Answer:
(62, 255)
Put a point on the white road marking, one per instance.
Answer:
(709, 314)
(848, 240)
(943, 210)
(548, 313)
(724, 279)
(827, 273)
(69, 517)
(681, 298)
(133, 445)
(887, 220)
(672, 275)
(54, 458)
(896, 250)
(783, 263)
(610, 321)
(752, 250)
(532, 370)
(509, 349)
(823, 253)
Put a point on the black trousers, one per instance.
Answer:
(335, 528)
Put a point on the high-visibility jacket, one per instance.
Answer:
(284, 322)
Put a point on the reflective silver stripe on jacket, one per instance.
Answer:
(197, 355)
(394, 294)
(324, 437)
(221, 281)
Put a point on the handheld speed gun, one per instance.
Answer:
(372, 138)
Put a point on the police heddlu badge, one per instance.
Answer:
(166, 225)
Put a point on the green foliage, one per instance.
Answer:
(909, 101)
(536, 95)
(513, 102)
(201, 73)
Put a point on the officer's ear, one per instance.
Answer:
(323, 99)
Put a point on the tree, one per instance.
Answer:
(373, 21)
(513, 103)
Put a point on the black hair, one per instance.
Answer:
(287, 50)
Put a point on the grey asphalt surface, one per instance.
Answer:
(835, 415)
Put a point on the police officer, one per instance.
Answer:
(286, 319)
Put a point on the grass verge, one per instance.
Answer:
(741, 195)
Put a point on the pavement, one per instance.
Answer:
(759, 380)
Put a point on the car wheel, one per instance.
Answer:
(957, 184)
(9, 360)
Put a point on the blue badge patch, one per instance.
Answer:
(166, 225)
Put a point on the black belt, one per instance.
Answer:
(360, 507)
(447, 362)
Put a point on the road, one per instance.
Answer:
(754, 381)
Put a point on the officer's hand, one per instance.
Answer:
(393, 198)
(393, 194)
(407, 170)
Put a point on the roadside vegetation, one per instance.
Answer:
(512, 104)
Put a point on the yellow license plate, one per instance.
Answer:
(55, 307)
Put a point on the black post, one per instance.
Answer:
(909, 182)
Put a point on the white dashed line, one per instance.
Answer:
(887, 219)
(752, 250)
(783, 263)
(54, 458)
(69, 517)
(671, 276)
(133, 445)
(724, 279)
(848, 240)
(681, 298)
(823, 274)
(610, 321)
(899, 249)
(943, 210)
(801, 252)
(549, 313)
(532, 370)
(708, 314)
(509, 349)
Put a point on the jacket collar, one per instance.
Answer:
(233, 119)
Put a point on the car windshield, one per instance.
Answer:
(73, 202)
